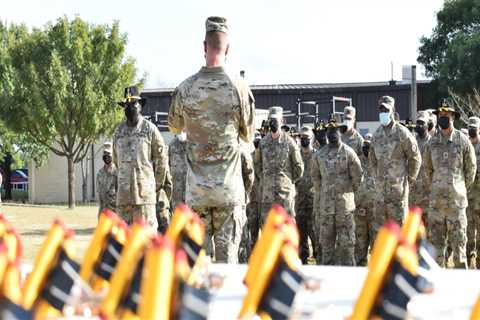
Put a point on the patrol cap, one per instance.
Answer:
(423, 116)
(275, 112)
(368, 136)
(474, 122)
(349, 111)
(215, 23)
(387, 101)
(107, 147)
(306, 131)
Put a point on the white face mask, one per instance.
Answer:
(349, 123)
(182, 136)
(384, 118)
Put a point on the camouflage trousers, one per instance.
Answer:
(473, 234)
(337, 239)
(364, 233)
(250, 231)
(103, 206)
(130, 213)
(448, 229)
(306, 228)
(163, 216)
(288, 204)
(388, 210)
(225, 226)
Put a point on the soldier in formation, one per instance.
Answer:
(395, 162)
(473, 209)
(336, 171)
(107, 181)
(450, 166)
(280, 165)
(141, 158)
(304, 198)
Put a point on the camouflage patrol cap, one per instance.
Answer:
(423, 116)
(368, 136)
(349, 111)
(474, 122)
(216, 24)
(387, 101)
(275, 112)
(306, 131)
(107, 147)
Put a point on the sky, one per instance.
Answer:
(274, 41)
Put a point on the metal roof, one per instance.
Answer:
(304, 86)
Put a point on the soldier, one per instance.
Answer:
(395, 161)
(304, 198)
(280, 165)
(473, 209)
(107, 181)
(450, 166)
(350, 135)
(163, 202)
(337, 172)
(178, 168)
(141, 158)
(216, 112)
(365, 201)
(420, 190)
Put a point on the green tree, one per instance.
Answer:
(62, 84)
(451, 55)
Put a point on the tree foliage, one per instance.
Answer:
(451, 55)
(60, 86)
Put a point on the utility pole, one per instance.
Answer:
(413, 95)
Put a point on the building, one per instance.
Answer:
(305, 103)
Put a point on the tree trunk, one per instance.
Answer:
(8, 175)
(84, 168)
(71, 182)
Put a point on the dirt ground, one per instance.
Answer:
(33, 222)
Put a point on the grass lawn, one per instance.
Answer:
(33, 222)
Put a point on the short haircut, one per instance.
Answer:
(216, 40)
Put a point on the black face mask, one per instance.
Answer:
(305, 142)
(131, 112)
(430, 126)
(273, 125)
(333, 137)
(256, 143)
(107, 159)
(421, 130)
(365, 150)
(444, 122)
(473, 132)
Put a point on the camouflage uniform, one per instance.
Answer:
(281, 166)
(304, 208)
(364, 217)
(336, 171)
(254, 207)
(178, 169)
(141, 158)
(107, 188)
(450, 167)
(216, 112)
(395, 162)
(473, 212)
(419, 194)
(354, 140)
(248, 179)
(163, 203)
